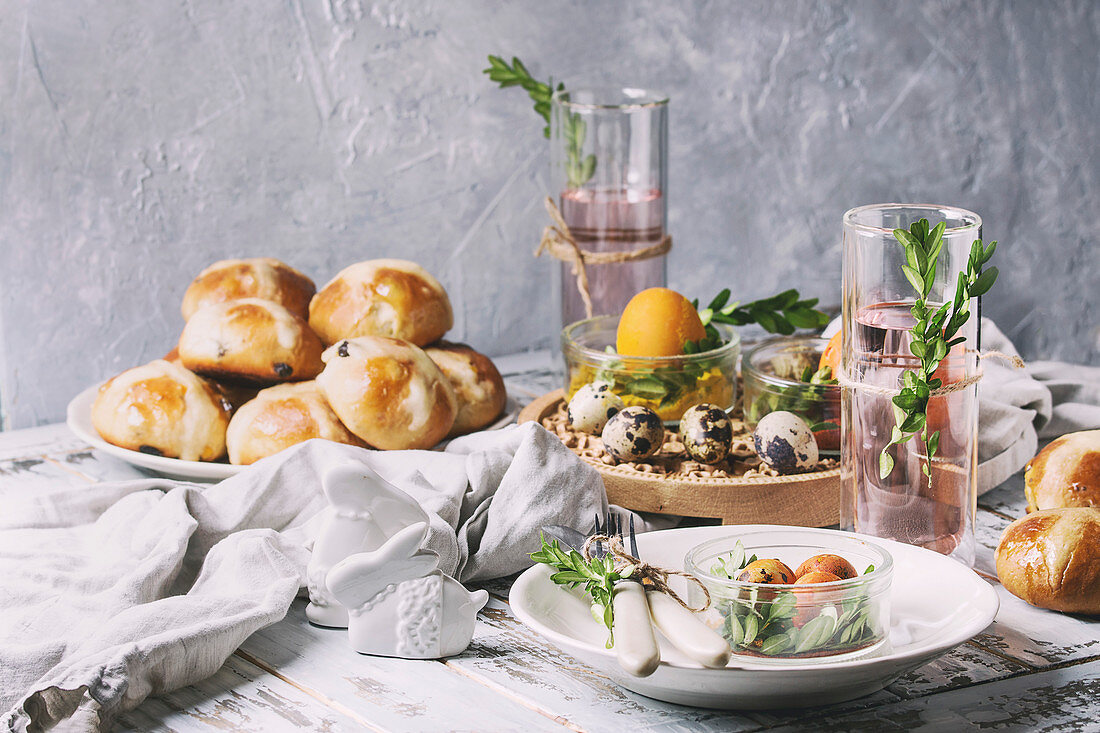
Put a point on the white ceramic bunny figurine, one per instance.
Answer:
(400, 604)
(364, 511)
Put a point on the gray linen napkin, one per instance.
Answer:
(1019, 407)
(114, 592)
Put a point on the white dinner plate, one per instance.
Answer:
(79, 419)
(935, 604)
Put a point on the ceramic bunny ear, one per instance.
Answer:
(357, 578)
(360, 488)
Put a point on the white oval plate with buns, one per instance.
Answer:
(79, 419)
(936, 604)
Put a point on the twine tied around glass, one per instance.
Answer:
(844, 380)
(560, 243)
(651, 576)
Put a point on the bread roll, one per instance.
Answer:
(388, 392)
(164, 410)
(263, 277)
(250, 340)
(478, 385)
(394, 298)
(1065, 473)
(1051, 559)
(280, 417)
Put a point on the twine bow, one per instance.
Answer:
(561, 244)
(653, 577)
(845, 380)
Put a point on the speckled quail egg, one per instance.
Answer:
(633, 434)
(784, 442)
(706, 432)
(592, 406)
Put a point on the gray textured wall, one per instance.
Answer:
(141, 140)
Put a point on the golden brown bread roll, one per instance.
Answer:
(388, 392)
(394, 298)
(162, 409)
(263, 277)
(1065, 473)
(476, 382)
(250, 340)
(1051, 559)
(280, 417)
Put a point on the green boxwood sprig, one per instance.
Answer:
(578, 170)
(934, 331)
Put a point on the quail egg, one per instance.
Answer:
(706, 432)
(592, 406)
(767, 570)
(633, 434)
(784, 442)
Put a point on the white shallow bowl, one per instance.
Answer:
(936, 604)
(79, 419)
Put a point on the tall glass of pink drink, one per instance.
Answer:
(937, 511)
(609, 169)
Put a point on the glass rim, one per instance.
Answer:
(647, 98)
(748, 363)
(952, 211)
(884, 568)
(570, 344)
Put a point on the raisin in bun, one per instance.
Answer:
(252, 341)
(263, 277)
(388, 392)
(476, 382)
(162, 409)
(1051, 559)
(1065, 473)
(394, 298)
(235, 394)
(280, 417)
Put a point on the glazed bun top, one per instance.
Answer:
(476, 382)
(262, 277)
(388, 392)
(250, 340)
(162, 409)
(394, 298)
(1051, 559)
(1066, 473)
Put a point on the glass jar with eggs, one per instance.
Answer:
(641, 355)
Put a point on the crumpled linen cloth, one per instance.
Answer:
(114, 592)
(1017, 408)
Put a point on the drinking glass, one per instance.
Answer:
(935, 512)
(609, 166)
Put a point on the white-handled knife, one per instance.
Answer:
(687, 633)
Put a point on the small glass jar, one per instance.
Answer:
(785, 623)
(771, 373)
(668, 385)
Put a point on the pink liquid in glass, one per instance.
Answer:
(906, 506)
(620, 220)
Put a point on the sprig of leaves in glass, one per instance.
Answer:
(579, 170)
(934, 332)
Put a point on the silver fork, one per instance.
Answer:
(635, 643)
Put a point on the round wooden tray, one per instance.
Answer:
(806, 499)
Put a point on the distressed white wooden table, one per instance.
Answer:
(1030, 670)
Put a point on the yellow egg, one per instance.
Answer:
(657, 322)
